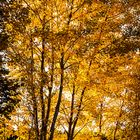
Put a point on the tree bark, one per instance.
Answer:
(50, 92)
(43, 134)
(71, 115)
(59, 97)
(35, 112)
(100, 118)
(117, 123)
(78, 113)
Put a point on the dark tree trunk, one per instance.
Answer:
(59, 98)
(78, 113)
(71, 115)
(35, 112)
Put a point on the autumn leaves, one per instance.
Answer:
(67, 55)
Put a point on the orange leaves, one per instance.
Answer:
(82, 36)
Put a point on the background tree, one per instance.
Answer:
(8, 87)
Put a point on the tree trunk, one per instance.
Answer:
(35, 112)
(78, 113)
(117, 123)
(115, 131)
(100, 118)
(79, 107)
(43, 134)
(71, 116)
(59, 98)
(50, 92)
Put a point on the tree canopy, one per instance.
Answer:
(76, 66)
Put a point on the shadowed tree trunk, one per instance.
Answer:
(59, 98)
(35, 112)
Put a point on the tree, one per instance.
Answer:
(8, 87)
(70, 48)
